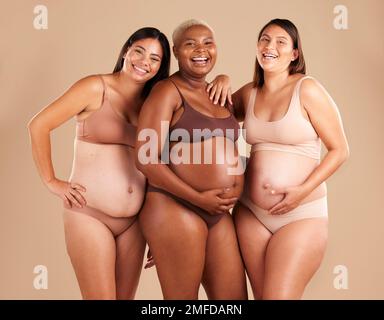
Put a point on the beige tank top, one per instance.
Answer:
(292, 133)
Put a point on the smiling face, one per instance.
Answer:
(196, 51)
(143, 59)
(275, 50)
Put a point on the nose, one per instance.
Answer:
(146, 60)
(270, 44)
(200, 47)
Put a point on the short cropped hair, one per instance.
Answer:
(181, 28)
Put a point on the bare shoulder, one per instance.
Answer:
(242, 94)
(164, 86)
(89, 85)
(245, 89)
(166, 92)
(311, 89)
(314, 97)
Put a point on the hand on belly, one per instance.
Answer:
(261, 195)
(280, 170)
(280, 200)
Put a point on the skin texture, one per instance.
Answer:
(186, 252)
(107, 264)
(280, 265)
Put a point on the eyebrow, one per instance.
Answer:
(191, 39)
(266, 34)
(152, 54)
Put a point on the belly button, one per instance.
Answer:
(130, 190)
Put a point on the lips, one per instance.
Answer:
(200, 60)
(269, 56)
(139, 70)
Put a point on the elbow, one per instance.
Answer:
(36, 125)
(344, 154)
(32, 126)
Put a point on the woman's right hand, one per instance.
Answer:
(69, 192)
(212, 202)
(220, 89)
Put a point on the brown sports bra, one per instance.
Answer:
(194, 126)
(106, 126)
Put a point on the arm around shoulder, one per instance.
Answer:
(240, 101)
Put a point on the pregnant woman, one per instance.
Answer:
(281, 221)
(105, 190)
(185, 218)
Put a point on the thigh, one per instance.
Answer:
(176, 237)
(224, 274)
(253, 239)
(91, 248)
(130, 246)
(294, 254)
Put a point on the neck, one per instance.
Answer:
(128, 87)
(192, 81)
(274, 81)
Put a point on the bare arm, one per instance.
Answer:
(240, 100)
(158, 107)
(326, 120)
(220, 89)
(82, 95)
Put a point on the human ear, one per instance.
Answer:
(174, 52)
(295, 54)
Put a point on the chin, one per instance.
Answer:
(269, 68)
(139, 79)
(202, 71)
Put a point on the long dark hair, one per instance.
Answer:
(296, 66)
(145, 33)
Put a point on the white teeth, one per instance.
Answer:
(199, 59)
(140, 70)
(269, 55)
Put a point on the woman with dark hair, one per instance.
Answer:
(281, 219)
(186, 218)
(105, 190)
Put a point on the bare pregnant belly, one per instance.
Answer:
(280, 170)
(108, 172)
(218, 159)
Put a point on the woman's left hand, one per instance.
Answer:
(220, 89)
(150, 261)
(292, 198)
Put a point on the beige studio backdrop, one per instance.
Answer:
(84, 37)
